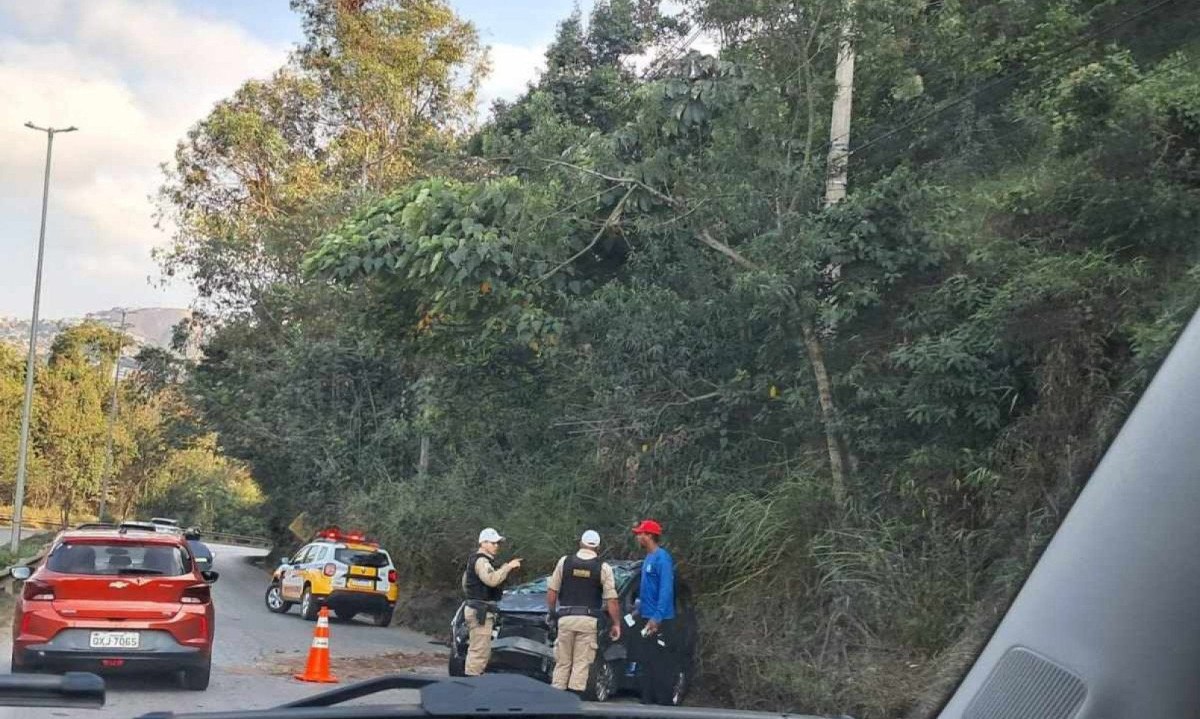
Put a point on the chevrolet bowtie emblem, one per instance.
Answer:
(118, 584)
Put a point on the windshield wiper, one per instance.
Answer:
(138, 570)
(73, 689)
(488, 695)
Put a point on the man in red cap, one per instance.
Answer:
(656, 597)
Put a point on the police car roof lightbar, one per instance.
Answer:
(335, 534)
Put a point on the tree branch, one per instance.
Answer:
(618, 180)
(689, 400)
(706, 237)
(613, 218)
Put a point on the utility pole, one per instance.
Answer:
(31, 361)
(836, 180)
(112, 421)
(423, 459)
(838, 166)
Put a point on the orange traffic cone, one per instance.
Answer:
(317, 669)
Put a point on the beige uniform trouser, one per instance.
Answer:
(479, 646)
(574, 652)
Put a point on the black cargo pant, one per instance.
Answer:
(658, 656)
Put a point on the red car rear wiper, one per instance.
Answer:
(488, 695)
(139, 571)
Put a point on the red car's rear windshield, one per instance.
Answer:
(101, 559)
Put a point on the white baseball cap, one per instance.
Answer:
(490, 535)
(590, 538)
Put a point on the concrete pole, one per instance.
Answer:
(31, 360)
(112, 423)
(838, 166)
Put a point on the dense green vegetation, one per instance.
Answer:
(615, 299)
(163, 461)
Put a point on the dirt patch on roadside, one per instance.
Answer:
(264, 562)
(353, 668)
(427, 611)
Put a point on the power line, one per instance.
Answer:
(671, 54)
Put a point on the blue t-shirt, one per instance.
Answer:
(657, 592)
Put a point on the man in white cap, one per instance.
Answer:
(580, 589)
(483, 585)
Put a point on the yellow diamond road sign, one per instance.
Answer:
(300, 528)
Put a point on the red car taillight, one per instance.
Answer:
(391, 576)
(330, 569)
(36, 591)
(196, 594)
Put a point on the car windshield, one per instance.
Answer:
(623, 573)
(537, 586)
(125, 558)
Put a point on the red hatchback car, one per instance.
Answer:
(110, 600)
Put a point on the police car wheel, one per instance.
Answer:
(458, 666)
(602, 681)
(382, 619)
(308, 605)
(275, 601)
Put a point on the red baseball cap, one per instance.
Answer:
(648, 526)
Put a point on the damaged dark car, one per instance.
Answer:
(523, 644)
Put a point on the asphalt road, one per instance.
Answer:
(26, 531)
(254, 655)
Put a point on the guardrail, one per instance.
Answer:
(240, 540)
(31, 523)
(6, 582)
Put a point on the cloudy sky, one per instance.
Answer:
(133, 75)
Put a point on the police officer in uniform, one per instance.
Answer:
(483, 585)
(580, 590)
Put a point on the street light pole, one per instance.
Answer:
(31, 361)
(112, 421)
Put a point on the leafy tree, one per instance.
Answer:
(71, 421)
(372, 95)
(202, 488)
(590, 74)
(371, 88)
(12, 375)
(619, 305)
